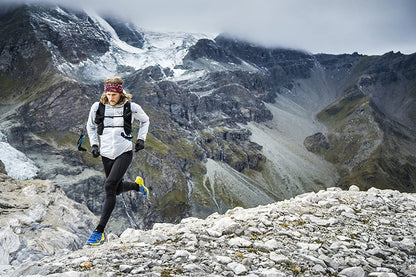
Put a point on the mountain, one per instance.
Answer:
(232, 123)
(328, 233)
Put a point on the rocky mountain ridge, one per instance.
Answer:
(327, 233)
(228, 118)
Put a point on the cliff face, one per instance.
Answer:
(328, 233)
(232, 123)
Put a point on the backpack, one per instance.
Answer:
(100, 115)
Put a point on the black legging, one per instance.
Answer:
(114, 185)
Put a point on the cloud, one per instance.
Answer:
(318, 26)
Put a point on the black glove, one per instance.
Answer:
(94, 151)
(139, 145)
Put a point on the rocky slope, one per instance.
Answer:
(327, 233)
(228, 118)
(37, 220)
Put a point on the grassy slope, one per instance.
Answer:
(369, 149)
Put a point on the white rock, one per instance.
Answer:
(138, 270)
(9, 243)
(237, 268)
(382, 274)
(190, 220)
(270, 272)
(223, 259)
(352, 272)
(225, 225)
(334, 189)
(296, 234)
(259, 245)
(374, 261)
(313, 259)
(373, 191)
(384, 221)
(68, 274)
(192, 267)
(354, 188)
(192, 258)
(353, 261)
(148, 237)
(330, 262)
(319, 268)
(339, 245)
(342, 208)
(239, 242)
(181, 254)
(191, 237)
(407, 244)
(78, 261)
(278, 258)
(125, 268)
(131, 235)
(349, 215)
(214, 233)
(266, 222)
(271, 244)
(308, 246)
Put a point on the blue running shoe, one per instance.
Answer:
(96, 239)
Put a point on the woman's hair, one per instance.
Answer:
(123, 95)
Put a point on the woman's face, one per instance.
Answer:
(113, 97)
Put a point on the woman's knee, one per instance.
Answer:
(110, 187)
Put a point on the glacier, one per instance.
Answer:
(166, 50)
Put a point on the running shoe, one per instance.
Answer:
(142, 187)
(96, 238)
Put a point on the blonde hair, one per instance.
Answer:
(123, 96)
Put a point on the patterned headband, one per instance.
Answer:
(113, 88)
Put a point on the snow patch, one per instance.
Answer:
(16, 163)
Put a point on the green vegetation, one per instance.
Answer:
(343, 148)
(183, 149)
(155, 145)
(172, 204)
(337, 113)
(62, 139)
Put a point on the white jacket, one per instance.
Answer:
(112, 143)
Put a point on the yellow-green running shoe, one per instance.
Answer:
(142, 187)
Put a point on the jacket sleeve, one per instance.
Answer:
(91, 126)
(141, 116)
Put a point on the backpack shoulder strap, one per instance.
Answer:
(127, 117)
(99, 118)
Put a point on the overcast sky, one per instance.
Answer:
(318, 26)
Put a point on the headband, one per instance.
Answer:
(113, 88)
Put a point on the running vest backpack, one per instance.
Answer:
(100, 115)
